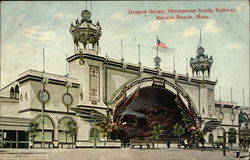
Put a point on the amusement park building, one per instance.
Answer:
(92, 88)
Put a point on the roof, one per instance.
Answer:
(132, 113)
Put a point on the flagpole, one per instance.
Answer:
(66, 65)
(122, 50)
(157, 46)
(139, 54)
(186, 66)
(43, 61)
(220, 93)
(231, 94)
(174, 62)
(243, 99)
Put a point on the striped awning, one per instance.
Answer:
(89, 114)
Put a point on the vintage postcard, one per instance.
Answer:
(124, 80)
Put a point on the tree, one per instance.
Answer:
(105, 129)
(157, 131)
(33, 130)
(232, 136)
(198, 137)
(178, 131)
(71, 129)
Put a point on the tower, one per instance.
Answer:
(85, 34)
(201, 64)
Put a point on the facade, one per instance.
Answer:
(91, 91)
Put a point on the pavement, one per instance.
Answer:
(118, 154)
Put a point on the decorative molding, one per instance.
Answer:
(46, 111)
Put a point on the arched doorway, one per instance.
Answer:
(211, 138)
(48, 132)
(147, 102)
(64, 125)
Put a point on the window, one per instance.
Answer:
(12, 93)
(43, 96)
(211, 138)
(48, 129)
(16, 91)
(63, 125)
(67, 99)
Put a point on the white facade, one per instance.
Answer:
(93, 82)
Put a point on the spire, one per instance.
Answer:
(199, 45)
(201, 63)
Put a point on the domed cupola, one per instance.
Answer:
(201, 63)
(85, 34)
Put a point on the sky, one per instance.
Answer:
(27, 27)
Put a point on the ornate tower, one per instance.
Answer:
(201, 64)
(85, 34)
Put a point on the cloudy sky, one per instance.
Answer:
(27, 27)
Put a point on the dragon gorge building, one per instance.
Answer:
(97, 87)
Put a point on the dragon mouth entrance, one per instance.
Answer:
(147, 107)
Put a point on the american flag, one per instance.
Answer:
(160, 44)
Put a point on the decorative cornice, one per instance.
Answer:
(30, 77)
(135, 67)
(46, 111)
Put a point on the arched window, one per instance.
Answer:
(12, 93)
(210, 138)
(64, 125)
(48, 129)
(94, 134)
(16, 91)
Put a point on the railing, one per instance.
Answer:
(150, 142)
(14, 144)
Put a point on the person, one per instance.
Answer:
(168, 144)
(202, 141)
(186, 143)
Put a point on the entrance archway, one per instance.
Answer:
(147, 102)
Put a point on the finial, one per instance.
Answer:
(157, 61)
(77, 21)
(86, 15)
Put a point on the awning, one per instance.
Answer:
(132, 113)
(90, 115)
